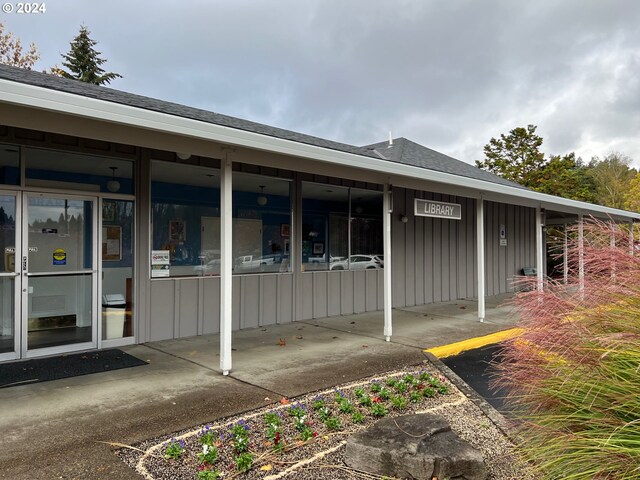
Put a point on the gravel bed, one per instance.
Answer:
(322, 455)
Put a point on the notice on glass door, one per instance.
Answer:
(159, 263)
(59, 257)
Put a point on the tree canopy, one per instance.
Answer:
(517, 156)
(12, 53)
(83, 62)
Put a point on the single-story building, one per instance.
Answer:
(126, 219)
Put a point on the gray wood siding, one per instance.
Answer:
(434, 260)
(185, 307)
(344, 292)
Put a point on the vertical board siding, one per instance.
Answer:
(162, 310)
(410, 250)
(211, 305)
(371, 289)
(359, 291)
(188, 302)
(335, 293)
(437, 262)
(285, 297)
(398, 245)
(320, 294)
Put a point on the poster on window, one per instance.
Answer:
(160, 263)
(111, 243)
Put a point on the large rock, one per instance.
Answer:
(420, 446)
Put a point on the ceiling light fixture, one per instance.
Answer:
(262, 199)
(113, 185)
(183, 156)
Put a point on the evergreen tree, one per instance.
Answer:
(83, 61)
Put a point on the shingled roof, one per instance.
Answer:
(403, 151)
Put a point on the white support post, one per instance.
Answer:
(580, 253)
(386, 225)
(539, 250)
(226, 264)
(480, 257)
(565, 250)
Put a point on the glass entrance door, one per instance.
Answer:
(9, 291)
(58, 270)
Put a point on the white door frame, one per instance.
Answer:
(17, 330)
(24, 277)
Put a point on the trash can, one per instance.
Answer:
(113, 314)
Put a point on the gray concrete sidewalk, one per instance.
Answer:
(53, 429)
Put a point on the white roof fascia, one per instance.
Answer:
(68, 103)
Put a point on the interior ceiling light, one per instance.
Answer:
(183, 156)
(262, 199)
(113, 185)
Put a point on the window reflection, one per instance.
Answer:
(341, 228)
(261, 224)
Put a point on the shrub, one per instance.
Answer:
(572, 376)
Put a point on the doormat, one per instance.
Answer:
(65, 366)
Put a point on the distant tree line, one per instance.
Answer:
(517, 156)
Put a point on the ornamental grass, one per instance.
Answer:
(573, 376)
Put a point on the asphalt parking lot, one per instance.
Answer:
(473, 366)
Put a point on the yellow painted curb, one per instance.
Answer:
(477, 342)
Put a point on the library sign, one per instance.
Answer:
(430, 208)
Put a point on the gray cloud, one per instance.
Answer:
(449, 75)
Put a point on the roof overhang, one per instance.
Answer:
(21, 94)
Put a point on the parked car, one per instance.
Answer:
(357, 262)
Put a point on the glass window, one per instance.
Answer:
(117, 268)
(185, 206)
(261, 224)
(9, 164)
(59, 169)
(341, 228)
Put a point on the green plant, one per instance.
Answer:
(378, 410)
(272, 418)
(345, 406)
(324, 413)
(428, 392)
(401, 387)
(384, 394)
(415, 396)
(399, 402)
(391, 381)
(572, 375)
(174, 449)
(206, 474)
(209, 454)
(244, 462)
(206, 436)
(375, 386)
(318, 403)
(409, 379)
(297, 410)
(240, 434)
(333, 423)
(357, 417)
(358, 392)
(366, 401)
(306, 433)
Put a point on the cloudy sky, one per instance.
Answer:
(448, 74)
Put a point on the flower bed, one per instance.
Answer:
(295, 437)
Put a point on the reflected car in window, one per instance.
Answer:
(357, 262)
